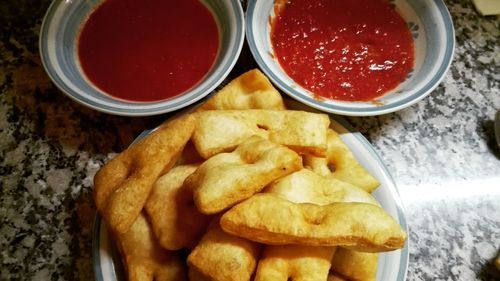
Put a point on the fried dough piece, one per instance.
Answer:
(357, 266)
(347, 168)
(229, 178)
(305, 186)
(222, 130)
(143, 257)
(223, 257)
(269, 219)
(122, 186)
(175, 220)
(294, 262)
(251, 90)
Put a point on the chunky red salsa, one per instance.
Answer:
(354, 50)
(148, 50)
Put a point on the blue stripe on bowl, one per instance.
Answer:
(227, 60)
(96, 257)
(345, 110)
(405, 254)
(114, 268)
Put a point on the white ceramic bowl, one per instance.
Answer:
(433, 33)
(58, 41)
(392, 266)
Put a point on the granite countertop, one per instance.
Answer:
(440, 151)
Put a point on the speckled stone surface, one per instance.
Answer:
(441, 153)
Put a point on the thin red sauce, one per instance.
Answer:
(354, 50)
(148, 50)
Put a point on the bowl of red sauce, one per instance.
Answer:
(352, 57)
(140, 57)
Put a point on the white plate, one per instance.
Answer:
(392, 265)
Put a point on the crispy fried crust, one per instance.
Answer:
(272, 220)
(122, 186)
(229, 178)
(249, 90)
(305, 186)
(144, 259)
(294, 262)
(347, 168)
(223, 257)
(354, 265)
(222, 130)
(175, 220)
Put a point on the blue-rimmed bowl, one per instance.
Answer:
(434, 40)
(58, 42)
(392, 266)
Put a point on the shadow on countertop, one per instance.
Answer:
(488, 130)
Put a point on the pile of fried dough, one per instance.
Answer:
(243, 189)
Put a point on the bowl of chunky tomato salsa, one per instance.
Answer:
(352, 57)
(140, 57)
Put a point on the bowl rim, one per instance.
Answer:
(353, 110)
(163, 106)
